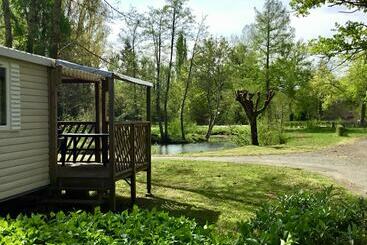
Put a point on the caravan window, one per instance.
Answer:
(3, 97)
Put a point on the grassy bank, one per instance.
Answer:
(297, 140)
(219, 193)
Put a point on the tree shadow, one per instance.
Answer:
(201, 215)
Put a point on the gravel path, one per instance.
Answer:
(345, 163)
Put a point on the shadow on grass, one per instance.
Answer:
(201, 215)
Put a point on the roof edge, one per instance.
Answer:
(28, 57)
(132, 80)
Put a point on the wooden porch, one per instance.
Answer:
(93, 155)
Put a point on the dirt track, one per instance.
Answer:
(345, 163)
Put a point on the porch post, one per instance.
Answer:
(98, 122)
(149, 156)
(54, 78)
(104, 122)
(111, 163)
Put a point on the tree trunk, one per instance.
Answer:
(32, 25)
(183, 103)
(55, 38)
(158, 96)
(319, 105)
(254, 136)
(166, 136)
(7, 22)
(210, 128)
(182, 112)
(363, 115)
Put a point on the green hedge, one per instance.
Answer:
(302, 218)
(137, 227)
(309, 219)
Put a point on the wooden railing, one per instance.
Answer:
(79, 143)
(132, 146)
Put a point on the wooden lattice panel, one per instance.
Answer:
(131, 145)
(85, 145)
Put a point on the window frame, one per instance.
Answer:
(5, 65)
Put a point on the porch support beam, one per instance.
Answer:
(149, 156)
(54, 78)
(98, 121)
(111, 163)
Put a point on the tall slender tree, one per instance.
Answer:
(188, 80)
(56, 35)
(154, 28)
(7, 22)
(212, 77)
(271, 32)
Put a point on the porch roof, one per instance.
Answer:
(70, 70)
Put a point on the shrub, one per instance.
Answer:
(341, 130)
(307, 218)
(270, 134)
(240, 135)
(137, 227)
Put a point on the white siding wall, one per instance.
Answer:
(24, 153)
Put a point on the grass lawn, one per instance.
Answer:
(218, 193)
(298, 140)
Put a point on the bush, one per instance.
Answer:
(270, 134)
(307, 218)
(137, 227)
(240, 135)
(341, 130)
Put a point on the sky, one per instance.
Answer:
(228, 17)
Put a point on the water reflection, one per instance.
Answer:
(188, 148)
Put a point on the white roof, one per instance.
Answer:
(69, 69)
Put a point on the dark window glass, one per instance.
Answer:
(2, 96)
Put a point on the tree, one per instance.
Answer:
(178, 14)
(182, 54)
(271, 33)
(325, 87)
(154, 28)
(7, 22)
(350, 40)
(211, 76)
(292, 72)
(55, 37)
(355, 84)
(250, 104)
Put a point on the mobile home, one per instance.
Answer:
(38, 151)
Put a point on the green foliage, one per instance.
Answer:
(271, 133)
(341, 130)
(308, 218)
(137, 227)
(241, 136)
(349, 41)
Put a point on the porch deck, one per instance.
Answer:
(84, 155)
(92, 156)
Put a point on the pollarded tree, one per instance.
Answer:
(271, 34)
(251, 104)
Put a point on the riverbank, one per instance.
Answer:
(296, 140)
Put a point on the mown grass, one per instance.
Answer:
(297, 140)
(219, 193)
